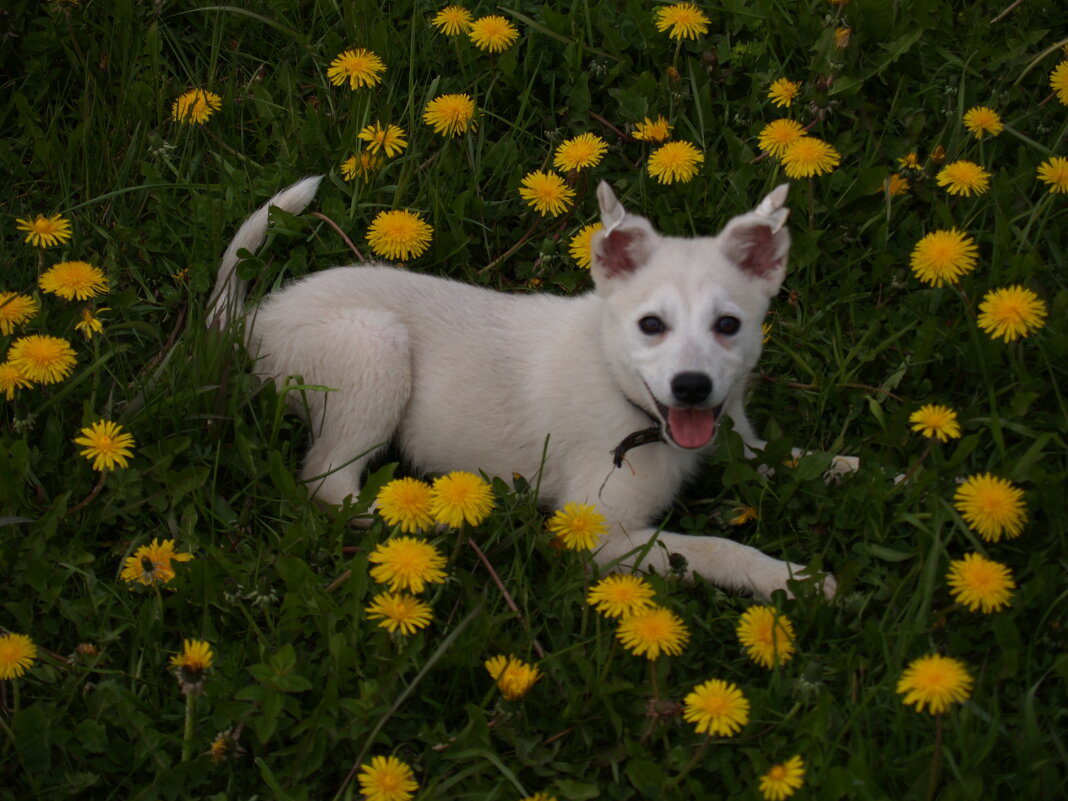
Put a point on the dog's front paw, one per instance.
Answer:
(827, 583)
(777, 575)
(841, 466)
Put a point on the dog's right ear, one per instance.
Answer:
(624, 242)
(758, 242)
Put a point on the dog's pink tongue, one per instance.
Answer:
(691, 428)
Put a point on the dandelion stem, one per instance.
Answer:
(700, 752)
(187, 734)
(811, 202)
(339, 232)
(88, 499)
(653, 709)
(508, 253)
(919, 461)
(504, 593)
(936, 758)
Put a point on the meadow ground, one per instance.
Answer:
(177, 620)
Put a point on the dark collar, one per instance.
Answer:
(654, 433)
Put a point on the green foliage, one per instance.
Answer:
(304, 687)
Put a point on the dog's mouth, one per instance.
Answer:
(689, 428)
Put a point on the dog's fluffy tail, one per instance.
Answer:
(228, 297)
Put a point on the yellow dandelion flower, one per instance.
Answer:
(809, 156)
(452, 20)
(782, 781)
(399, 235)
(744, 514)
(151, 564)
(1058, 81)
(106, 445)
(981, 120)
(195, 106)
(44, 232)
(362, 164)
(493, 33)
(17, 652)
(386, 779)
(842, 37)
(675, 161)
(648, 130)
(783, 91)
(192, 665)
(991, 506)
(580, 152)
(767, 634)
(42, 359)
(222, 747)
(579, 526)
(685, 20)
(406, 502)
(15, 309)
(620, 595)
(580, 245)
(357, 68)
(196, 656)
(1055, 173)
(980, 583)
(933, 420)
(460, 496)
(406, 563)
(910, 161)
(653, 631)
(11, 379)
(938, 155)
(897, 185)
(546, 192)
(450, 115)
(399, 611)
(716, 707)
(73, 280)
(513, 676)
(964, 178)
(90, 324)
(934, 682)
(1011, 312)
(778, 135)
(942, 257)
(390, 138)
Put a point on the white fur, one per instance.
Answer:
(463, 378)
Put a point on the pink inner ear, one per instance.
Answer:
(617, 256)
(758, 249)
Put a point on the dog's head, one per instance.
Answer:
(682, 317)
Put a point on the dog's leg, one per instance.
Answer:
(725, 563)
(361, 358)
(633, 546)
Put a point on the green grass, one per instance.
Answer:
(310, 688)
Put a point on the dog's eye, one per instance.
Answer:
(651, 325)
(727, 325)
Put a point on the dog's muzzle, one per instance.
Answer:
(687, 427)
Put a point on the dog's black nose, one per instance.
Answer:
(691, 388)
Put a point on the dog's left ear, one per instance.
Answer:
(758, 242)
(623, 244)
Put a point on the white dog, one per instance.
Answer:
(613, 396)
